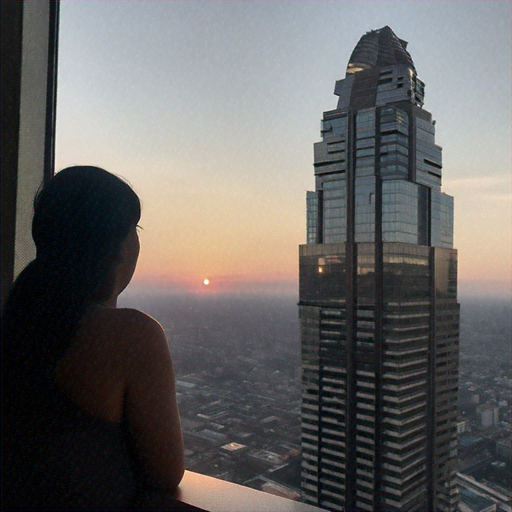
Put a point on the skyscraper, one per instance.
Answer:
(378, 297)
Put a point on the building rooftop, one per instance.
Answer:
(473, 500)
(379, 48)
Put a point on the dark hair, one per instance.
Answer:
(81, 217)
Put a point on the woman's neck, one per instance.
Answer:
(111, 302)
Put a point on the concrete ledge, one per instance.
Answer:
(206, 494)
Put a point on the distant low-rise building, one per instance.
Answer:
(470, 501)
(489, 415)
(462, 425)
(234, 447)
(503, 449)
(468, 485)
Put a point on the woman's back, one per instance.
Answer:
(58, 456)
(68, 443)
(89, 402)
(95, 369)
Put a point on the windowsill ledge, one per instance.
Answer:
(202, 493)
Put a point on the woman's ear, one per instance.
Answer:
(123, 251)
(126, 260)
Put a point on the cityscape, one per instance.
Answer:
(369, 401)
(237, 363)
(335, 298)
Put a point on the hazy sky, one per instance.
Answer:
(210, 110)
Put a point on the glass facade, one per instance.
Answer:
(334, 211)
(442, 220)
(378, 298)
(400, 211)
(322, 273)
(394, 147)
(414, 210)
(311, 216)
(428, 155)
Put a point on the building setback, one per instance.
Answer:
(378, 298)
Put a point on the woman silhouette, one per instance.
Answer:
(89, 405)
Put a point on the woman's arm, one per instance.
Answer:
(151, 409)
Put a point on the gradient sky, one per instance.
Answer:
(210, 110)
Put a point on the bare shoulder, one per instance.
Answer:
(126, 322)
(131, 333)
(138, 322)
(142, 339)
(112, 348)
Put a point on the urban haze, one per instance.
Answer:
(237, 363)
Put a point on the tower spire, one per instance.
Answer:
(379, 48)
